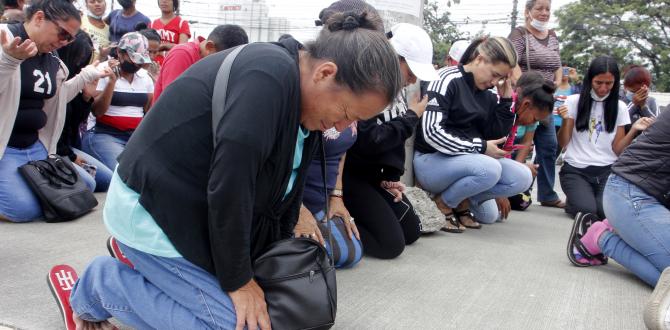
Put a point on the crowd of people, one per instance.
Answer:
(192, 200)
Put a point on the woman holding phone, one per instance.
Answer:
(458, 157)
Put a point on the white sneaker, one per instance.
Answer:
(657, 310)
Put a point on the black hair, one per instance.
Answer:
(358, 7)
(600, 65)
(10, 4)
(540, 91)
(175, 5)
(228, 36)
(365, 59)
(54, 10)
(495, 49)
(77, 54)
(150, 34)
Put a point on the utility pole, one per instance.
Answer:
(515, 13)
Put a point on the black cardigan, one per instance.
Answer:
(221, 208)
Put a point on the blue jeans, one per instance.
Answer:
(160, 293)
(546, 145)
(642, 225)
(473, 176)
(104, 147)
(103, 175)
(487, 212)
(18, 203)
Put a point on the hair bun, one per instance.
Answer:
(346, 21)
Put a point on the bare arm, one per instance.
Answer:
(104, 99)
(623, 140)
(183, 38)
(558, 76)
(565, 133)
(527, 141)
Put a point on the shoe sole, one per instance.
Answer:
(659, 303)
(61, 307)
(576, 226)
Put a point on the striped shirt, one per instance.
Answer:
(460, 118)
(544, 54)
(127, 107)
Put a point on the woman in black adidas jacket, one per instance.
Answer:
(457, 157)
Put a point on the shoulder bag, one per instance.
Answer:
(296, 274)
(63, 195)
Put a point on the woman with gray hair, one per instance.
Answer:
(192, 214)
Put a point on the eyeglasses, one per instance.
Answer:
(63, 34)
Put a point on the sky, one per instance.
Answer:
(302, 13)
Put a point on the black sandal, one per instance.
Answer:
(582, 223)
(451, 219)
(467, 213)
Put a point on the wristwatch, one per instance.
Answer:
(336, 193)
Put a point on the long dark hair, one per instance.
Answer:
(53, 10)
(600, 65)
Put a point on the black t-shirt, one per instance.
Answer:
(38, 83)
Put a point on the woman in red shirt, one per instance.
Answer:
(171, 27)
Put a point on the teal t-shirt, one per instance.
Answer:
(522, 129)
(130, 223)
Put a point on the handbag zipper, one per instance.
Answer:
(311, 274)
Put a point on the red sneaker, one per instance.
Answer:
(115, 251)
(60, 280)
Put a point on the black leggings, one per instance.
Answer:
(385, 226)
(584, 188)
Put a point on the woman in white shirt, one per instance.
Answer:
(593, 134)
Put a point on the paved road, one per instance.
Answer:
(512, 275)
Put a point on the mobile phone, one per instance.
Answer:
(566, 71)
(423, 88)
(400, 207)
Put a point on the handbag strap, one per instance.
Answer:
(218, 110)
(52, 172)
(527, 50)
(221, 89)
(325, 195)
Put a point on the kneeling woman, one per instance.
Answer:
(457, 155)
(593, 135)
(636, 201)
(34, 93)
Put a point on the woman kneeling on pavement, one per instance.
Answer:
(34, 94)
(594, 136)
(192, 218)
(457, 157)
(373, 192)
(636, 202)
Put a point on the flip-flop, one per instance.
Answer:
(467, 213)
(451, 219)
(557, 204)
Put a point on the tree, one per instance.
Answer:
(632, 31)
(442, 30)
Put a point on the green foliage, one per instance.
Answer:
(632, 31)
(442, 30)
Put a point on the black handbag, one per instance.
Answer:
(297, 275)
(63, 195)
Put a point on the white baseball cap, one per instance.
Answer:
(413, 43)
(457, 49)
